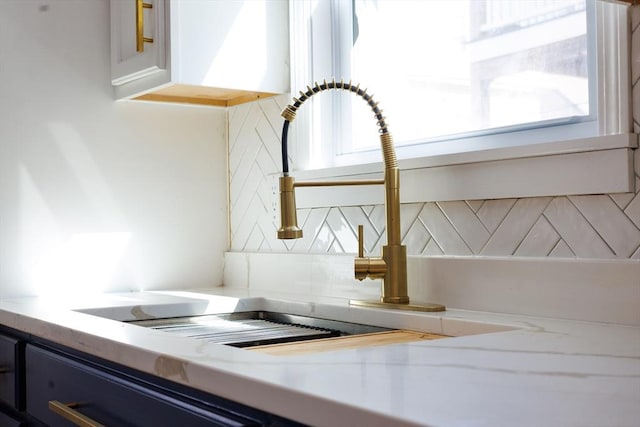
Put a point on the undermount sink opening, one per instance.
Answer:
(254, 325)
(256, 328)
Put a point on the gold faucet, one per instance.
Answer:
(391, 267)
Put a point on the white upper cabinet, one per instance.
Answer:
(133, 22)
(217, 52)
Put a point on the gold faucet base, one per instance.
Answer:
(427, 307)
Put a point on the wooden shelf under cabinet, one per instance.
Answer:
(203, 95)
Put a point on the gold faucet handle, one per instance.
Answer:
(360, 241)
(361, 263)
(373, 268)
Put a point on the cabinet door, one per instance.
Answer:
(10, 379)
(130, 59)
(8, 421)
(107, 399)
(242, 44)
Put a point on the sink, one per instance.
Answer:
(282, 327)
(256, 328)
(281, 334)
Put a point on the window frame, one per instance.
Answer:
(525, 133)
(490, 154)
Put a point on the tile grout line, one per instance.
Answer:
(556, 245)
(431, 237)
(243, 182)
(242, 125)
(244, 215)
(455, 229)
(264, 113)
(561, 239)
(616, 203)
(265, 146)
(595, 229)
(354, 233)
(244, 244)
(315, 236)
(412, 224)
(531, 228)
(498, 226)
(380, 233)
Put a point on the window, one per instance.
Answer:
(458, 76)
(445, 68)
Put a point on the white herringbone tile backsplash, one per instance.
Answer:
(596, 226)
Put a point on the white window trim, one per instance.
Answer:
(598, 165)
(590, 165)
(614, 108)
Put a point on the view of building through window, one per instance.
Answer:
(450, 67)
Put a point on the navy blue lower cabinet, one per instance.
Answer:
(11, 384)
(8, 421)
(11, 380)
(61, 389)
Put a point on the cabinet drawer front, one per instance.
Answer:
(8, 375)
(106, 398)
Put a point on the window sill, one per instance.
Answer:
(598, 165)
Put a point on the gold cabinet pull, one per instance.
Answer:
(140, 38)
(66, 411)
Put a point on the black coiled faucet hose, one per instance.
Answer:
(285, 155)
(290, 112)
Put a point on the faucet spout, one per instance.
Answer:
(391, 267)
(289, 218)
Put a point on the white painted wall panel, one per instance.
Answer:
(95, 194)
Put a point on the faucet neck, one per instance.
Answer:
(289, 114)
(392, 205)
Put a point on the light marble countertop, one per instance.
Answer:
(496, 370)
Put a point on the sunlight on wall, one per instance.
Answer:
(72, 234)
(84, 264)
(59, 262)
(80, 164)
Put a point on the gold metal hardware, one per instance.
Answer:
(426, 307)
(289, 114)
(140, 38)
(339, 183)
(392, 266)
(374, 268)
(66, 411)
(289, 228)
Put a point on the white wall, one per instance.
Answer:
(97, 194)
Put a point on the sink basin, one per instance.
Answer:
(281, 334)
(282, 327)
(255, 328)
